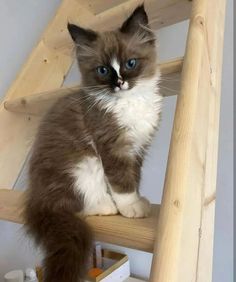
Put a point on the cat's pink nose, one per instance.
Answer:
(120, 82)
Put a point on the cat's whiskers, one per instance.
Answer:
(97, 96)
(84, 98)
(159, 85)
(169, 79)
(75, 89)
(169, 89)
(159, 80)
(93, 86)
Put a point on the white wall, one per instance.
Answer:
(20, 28)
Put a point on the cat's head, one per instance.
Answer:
(116, 60)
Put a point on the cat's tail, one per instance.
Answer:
(66, 240)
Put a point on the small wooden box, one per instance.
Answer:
(116, 266)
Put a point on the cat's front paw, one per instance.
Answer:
(104, 207)
(108, 207)
(140, 208)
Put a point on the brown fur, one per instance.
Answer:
(109, 44)
(64, 139)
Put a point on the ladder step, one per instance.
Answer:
(39, 103)
(132, 233)
(161, 13)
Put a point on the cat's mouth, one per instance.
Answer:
(121, 85)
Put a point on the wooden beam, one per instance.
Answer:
(97, 7)
(48, 65)
(11, 205)
(215, 23)
(17, 133)
(45, 69)
(119, 230)
(184, 243)
(52, 57)
(38, 104)
(161, 13)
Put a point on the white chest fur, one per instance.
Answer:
(138, 110)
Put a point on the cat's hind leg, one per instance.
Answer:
(91, 184)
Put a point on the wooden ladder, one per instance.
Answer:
(180, 230)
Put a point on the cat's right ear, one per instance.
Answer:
(81, 35)
(135, 20)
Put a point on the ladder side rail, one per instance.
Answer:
(184, 243)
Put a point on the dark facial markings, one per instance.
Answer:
(115, 73)
(132, 64)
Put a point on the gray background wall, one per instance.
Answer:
(21, 24)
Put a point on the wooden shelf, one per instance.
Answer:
(133, 233)
(39, 103)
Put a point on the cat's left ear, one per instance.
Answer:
(81, 35)
(137, 19)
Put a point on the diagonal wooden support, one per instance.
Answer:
(45, 69)
(184, 245)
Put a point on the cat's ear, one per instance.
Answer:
(136, 19)
(80, 35)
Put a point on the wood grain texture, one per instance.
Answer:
(161, 12)
(38, 104)
(215, 45)
(52, 57)
(133, 233)
(184, 245)
(11, 205)
(17, 135)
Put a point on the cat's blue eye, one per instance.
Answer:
(131, 64)
(102, 70)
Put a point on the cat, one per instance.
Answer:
(90, 146)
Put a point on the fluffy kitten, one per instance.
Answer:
(90, 147)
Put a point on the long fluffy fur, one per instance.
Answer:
(66, 241)
(93, 124)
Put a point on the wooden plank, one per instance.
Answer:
(11, 205)
(17, 133)
(161, 12)
(133, 233)
(170, 77)
(184, 242)
(99, 6)
(38, 104)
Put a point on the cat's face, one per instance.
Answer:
(116, 60)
